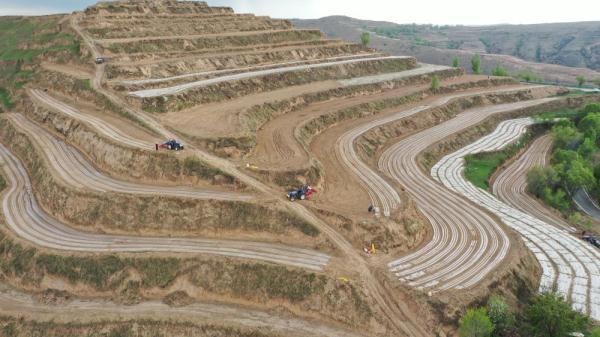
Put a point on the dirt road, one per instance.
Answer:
(467, 243)
(18, 304)
(421, 70)
(26, 219)
(569, 265)
(251, 74)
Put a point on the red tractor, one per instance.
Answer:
(301, 193)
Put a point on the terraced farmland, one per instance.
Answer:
(109, 222)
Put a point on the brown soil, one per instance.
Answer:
(342, 191)
(120, 123)
(277, 146)
(70, 70)
(222, 119)
(114, 213)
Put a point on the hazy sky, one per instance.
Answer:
(469, 12)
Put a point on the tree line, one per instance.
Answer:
(575, 163)
(544, 315)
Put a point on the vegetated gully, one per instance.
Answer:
(569, 265)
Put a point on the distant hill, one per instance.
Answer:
(557, 51)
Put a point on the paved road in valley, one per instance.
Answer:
(584, 202)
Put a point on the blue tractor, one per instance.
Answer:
(171, 144)
(301, 193)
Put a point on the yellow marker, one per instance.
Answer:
(372, 248)
(343, 279)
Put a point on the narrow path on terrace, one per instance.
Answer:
(101, 126)
(251, 74)
(197, 36)
(510, 186)
(182, 55)
(17, 304)
(467, 243)
(569, 265)
(26, 219)
(70, 165)
(421, 70)
(245, 69)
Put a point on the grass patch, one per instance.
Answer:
(26, 38)
(193, 166)
(5, 99)
(109, 272)
(22, 41)
(550, 115)
(479, 167)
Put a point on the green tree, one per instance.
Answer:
(456, 62)
(476, 323)
(592, 107)
(587, 148)
(565, 136)
(500, 316)
(590, 124)
(577, 219)
(556, 199)
(528, 76)
(435, 83)
(595, 332)
(579, 175)
(476, 64)
(580, 80)
(499, 71)
(549, 315)
(365, 38)
(564, 157)
(536, 181)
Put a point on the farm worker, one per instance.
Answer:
(156, 145)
